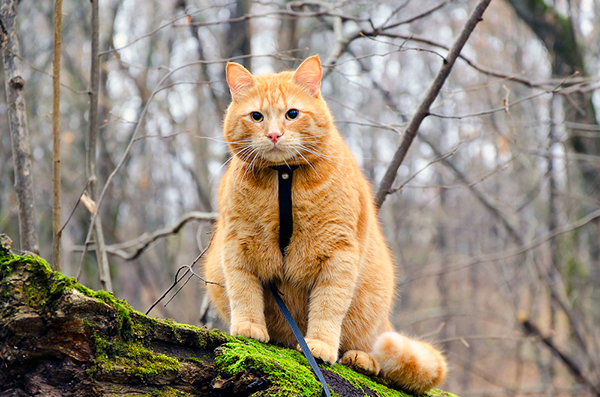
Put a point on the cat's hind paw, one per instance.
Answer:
(322, 350)
(250, 330)
(361, 362)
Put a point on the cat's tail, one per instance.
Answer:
(412, 365)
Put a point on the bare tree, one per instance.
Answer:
(19, 131)
(56, 174)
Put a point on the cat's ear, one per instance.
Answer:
(309, 74)
(238, 78)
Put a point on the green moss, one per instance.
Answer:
(287, 369)
(132, 358)
(290, 373)
(378, 385)
(169, 392)
(164, 392)
(126, 349)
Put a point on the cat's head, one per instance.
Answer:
(277, 118)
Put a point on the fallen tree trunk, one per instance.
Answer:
(59, 338)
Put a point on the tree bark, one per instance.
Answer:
(101, 256)
(56, 182)
(19, 132)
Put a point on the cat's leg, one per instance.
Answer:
(411, 364)
(246, 301)
(330, 299)
(361, 362)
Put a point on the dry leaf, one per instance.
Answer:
(88, 203)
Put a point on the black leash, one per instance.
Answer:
(286, 227)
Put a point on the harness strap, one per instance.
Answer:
(286, 228)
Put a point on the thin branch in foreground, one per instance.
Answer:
(74, 207)
(179, 278)
(432, 162)
(423, 109)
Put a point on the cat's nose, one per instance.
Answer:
(274, 136)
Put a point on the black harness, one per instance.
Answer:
(286, 228)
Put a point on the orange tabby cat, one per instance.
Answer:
(337, 276)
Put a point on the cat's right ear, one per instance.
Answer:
(309, 74)
(238, 78)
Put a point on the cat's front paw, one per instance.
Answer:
(250, 330)
(322, 350)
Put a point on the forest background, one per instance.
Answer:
(493, 217)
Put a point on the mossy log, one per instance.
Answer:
(59, 338)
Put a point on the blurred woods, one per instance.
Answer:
(493, 216)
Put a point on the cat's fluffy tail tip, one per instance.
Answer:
(412, 365)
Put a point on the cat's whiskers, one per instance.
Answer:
(230, 158)
(253, 153)
(241, 141)
(315, 151)
(211, 139)
(256, 156)
(310, 165)
(240, 153)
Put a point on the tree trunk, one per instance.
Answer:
(558, 36)
(19, 132)
(59, 338)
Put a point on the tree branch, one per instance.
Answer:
(572, 366)
(139, 245)
(423, 109)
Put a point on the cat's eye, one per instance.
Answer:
(256, 116)
(291, 114)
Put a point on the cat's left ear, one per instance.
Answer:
(238, 78)
(309, 74)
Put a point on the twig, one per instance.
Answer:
(490, 72)
(32, 67)
(437, 160)
(572, 366)
(178, 279)
(290, 13)
(463, 185)
(167, 24)
(505, 106)
(423, 109)
(483, 199)
(416, 17)
(140, 244)
(74, 208)
(520, 250)
(56, 182)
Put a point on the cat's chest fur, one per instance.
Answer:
(323, 221)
